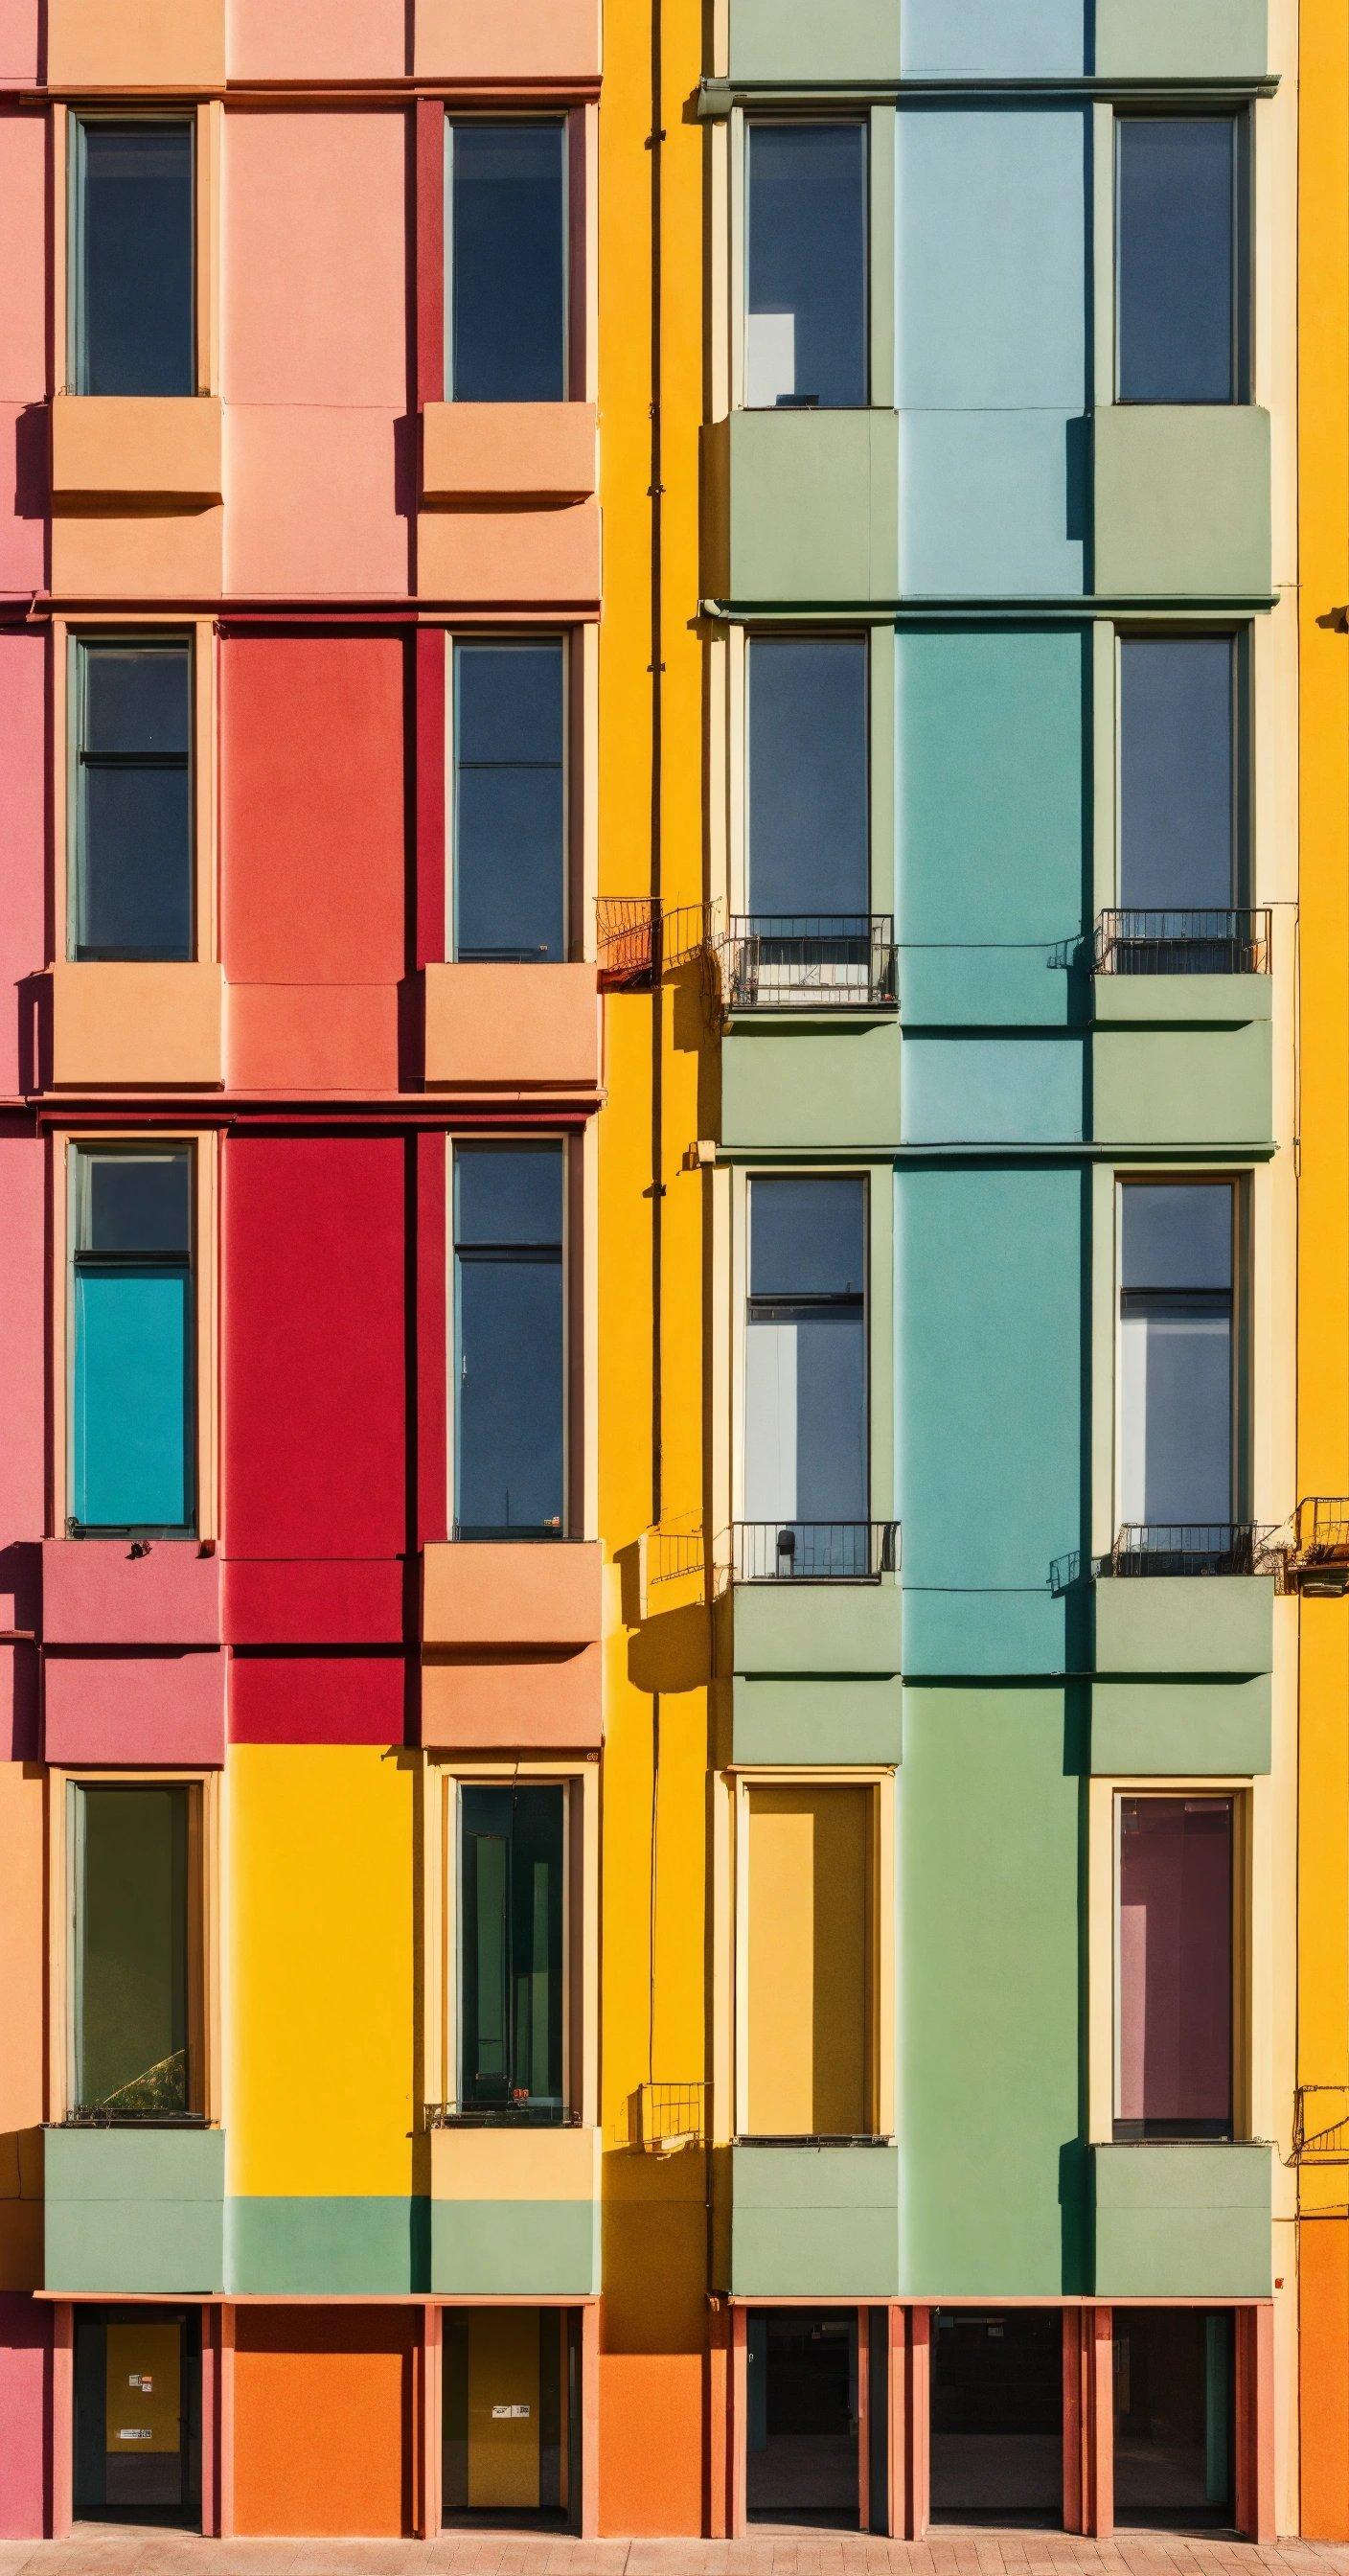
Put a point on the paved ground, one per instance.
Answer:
(96, 2552)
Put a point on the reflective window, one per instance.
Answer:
(1176, 259)
(510, 1358)
(512, 1950)
(510, 835)
(1174, 1969)
(507, 250)
(1177, 772)
(129, 2041)
(134, 257)
(806, 1444)
(807, 298)
(1177, 1460)
(133, 1341)
(809, 787)
(131, 890)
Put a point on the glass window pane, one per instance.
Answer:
(511, 1395)
(807, 288)
(807, 1237)
(509, 801)
(136, 333)
(809, 783)
(509, 1194)
(133, 1203)
(806, 1418)
(132, 1416)
(134, 892)
(508, 252)
(1175, 1967)
(1177, 1234)
(1177, 772)
(513, 1949)
(508, 703)
(136, 698)
(1176, 1417)
(1176, 286)
(130, 1965)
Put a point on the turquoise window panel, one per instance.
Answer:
(993, 824)
(990, 1298)
(983, 38)
(994, 1090)
(132, 1396)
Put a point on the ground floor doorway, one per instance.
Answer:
(511, 2417)
(997, 2415)
(138, 2416)
(1174, 2417)
(803, 2463)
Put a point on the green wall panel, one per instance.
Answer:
(799, 40)
(1181, 500)
(1181, 39)
(1202, 1623)
(1191, 1728)
(135, 2210)
(1196, 1001)
(814, 2222)
(811, 1628)
(502, 2248)
(1172, 1086)
(1183, 2222)
(831, 1089)
(353, 2247)
(991, 1858)
(802, 506)
(784, 1718)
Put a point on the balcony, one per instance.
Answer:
(511, 1025)
(802, 506)
(123, 1023)
(1318, 1565)
(813, 1551)
(133, 1668)
(1166, 1548)
(1184, 2221)
(811, 2218)
(1192, 1598)
(511, 1644)
(812, 1657)
(639, 940)
(810, 962)
(514, 2209)
(135, 2211)
(1191, 944)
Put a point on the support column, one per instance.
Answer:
(1254, 2356)
(896, 2484)
(738, 2442)
(63, 2418)
(862, 2329)
(210, 2423)
(717, 2403)
(225, 2423)
(589, 2517)
(918, 2425)
(429, 2503)
(1074, 2414)
(1099, 2445)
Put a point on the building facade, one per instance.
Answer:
(654, 1804)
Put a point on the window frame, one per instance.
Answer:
(79, 642)
(1238, 1795)
(505, 639)
(571, 1510)
(1243, 260)
(573, 296)
(489, 2115)
(76, 337)
(1243, 738)
(821, 114)
(1241, 1399)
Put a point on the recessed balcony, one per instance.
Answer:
(805, 963)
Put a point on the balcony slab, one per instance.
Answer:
(135, 2211)
(1190, 2221)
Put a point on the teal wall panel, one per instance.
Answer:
(993, 823)
(1031, 38)
(990, 1302)
(991, 1826)
(991, 349)
(994, 1091)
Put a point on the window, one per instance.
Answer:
(133, 2049)
(507, 198)
(131, 884)
(1177, 1355)
(810, 1997)
(510, 1358)
(1178, 772)
(809, 777)
(1178, 306)
(132, 241)
(806, 1378)
(806, 342)
(1174, 1968)
(133, 1355)
(510, 788)
(512, 1950)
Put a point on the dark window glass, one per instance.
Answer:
(133, 1333)
(1177, 772)
(1176, 264)
(509, 1335)
(508, 262)
(509, 800)
(809, 786)
(806, 341)
(129, 1960)
(133, 802)
(1175, 1968)
(806, 1363)
(512, 1949)
(134, 275)
(1176, 1355)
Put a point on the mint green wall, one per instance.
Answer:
(1183, 1086)
(1198, 39)
(1203, 1623)
(994, 2199)
(787, 1085)
(135, 2210)
(1181, 501)
(993, 821)
(798, 40)
(802, 506)
(1183, 2222)
(1154, 1726)
(813, 2222)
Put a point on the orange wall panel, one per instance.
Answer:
(651, 2445)
(1324, 2393)
(324, 2417)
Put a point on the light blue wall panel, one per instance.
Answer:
(1026, 37)
(993, 1091)
(132, 1368)
(993, 823)
(991, 349)
(990, 1304)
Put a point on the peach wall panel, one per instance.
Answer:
(19, 41)
(315, 301)
(531, 40)
(548, 557)
(318, 503)
(316, 39)
(176, 556)
(23, 933)
(324, 1038)
(23, 2052)
(504, 1702)
(134, 1708)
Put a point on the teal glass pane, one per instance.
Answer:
(132, 1396)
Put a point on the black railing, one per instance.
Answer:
(813, 1551)
(1321, 2124)
(1183, 943)
(1191, 1547)
(637, 939)
(810, 961)
(499, 2115)
(1321, 1530)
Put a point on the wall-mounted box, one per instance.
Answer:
(135, 2212)
(512, 1027)
(801, 506)
(1181, 39)
(811, 2221)
(152, 454)
(1181, 505)
(797, 40)
(124, 45)
(534, 40)
(515, 2212)
(543, 454)
(1186, 1623)
(817, 1087)
(1184, 2221)
(132, 1024)
(511, 1644)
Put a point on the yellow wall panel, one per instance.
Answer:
(809, 1961)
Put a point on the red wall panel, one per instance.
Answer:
(317, 1699)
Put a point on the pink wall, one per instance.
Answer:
(23, 1412)
(315, 353)
(316, 39)
(23, 828)
(19, 40)
(95, 1592)
(134, 1708)
(25, 2369)
(23, 334)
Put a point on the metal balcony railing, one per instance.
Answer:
(813, 1551)
(1183, 943)
(1321, 2124)
(637, 939)
(670, 2116)
(499, 2115)
(810, 961)
(1192, 1547)
(1321, 1530)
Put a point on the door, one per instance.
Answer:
(997, 2416)
(1173, 2417)
(803, 2429)
(506, 2415)
(137, 2416)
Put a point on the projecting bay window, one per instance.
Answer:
(510, 800)
(132, 1341)
(134, 1951)
(807, 285)
(132, 256)
(1183, 829)
(507, 252)
(1181, 277)
(812, 1975)
(512, 1951)
(1181, 1410)
(1175, 1967)
(510, 1357)
(807, 1381)
(132, 865)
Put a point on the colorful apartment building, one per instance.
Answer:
(649, 725)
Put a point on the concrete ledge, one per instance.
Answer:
(96, 1592)
(801, 506)
(810, 1630)
(814, 2222)
(1195, 1001)
(1190, 2221)
(135, 2210)
(156, 453)
(133, 1023)
(1182, 1624)
(135, 44)
(512, 1027)
(546, 454)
